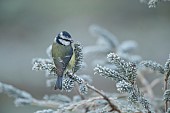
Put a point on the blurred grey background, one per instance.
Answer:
(27, 28)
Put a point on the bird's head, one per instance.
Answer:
(64, 38)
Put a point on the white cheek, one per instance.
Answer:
(55, 39)
(66, 43)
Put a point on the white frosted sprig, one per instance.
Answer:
(14, 92)
(44, 65)
(46, 111)
(68, 84)
(123, 86)
(153, 3)
(22, 101)
(125, 77)
(83, 89)
(21, 97)
(108, 73)
(59, 98)
(153, 66)
(128, 46)
(167, 65)
(131, 72)
(78, 57)
(107, 42)
(116, 60)
(107, 37)
(166, 95)
(104, 109)
(126, 49)
(129, 57)
(126, 69)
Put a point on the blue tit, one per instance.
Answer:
(63, 56)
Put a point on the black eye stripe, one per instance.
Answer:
(64, 39)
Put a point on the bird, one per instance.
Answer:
(63, 56)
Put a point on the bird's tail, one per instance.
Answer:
(58, 84)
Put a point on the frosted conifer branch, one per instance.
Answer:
(127, 69)
(14, 92)
(128, 46)
(78, 57)
(118, 62)
(109, 43)
(153, 66)
(167, 65)
(106, 41)
(46, 65)
(59, 98)
(108, 37)
(68, 84)
(108, 73)
(53, 101)
(136, 96)
(123, 86)
(24, 98)
(46, 111)
(130, 58)
(82, 84)
(153, 3)
(125, 79)
(166, 95)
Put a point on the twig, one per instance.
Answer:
(45, 103)
(87, 103)
(82, 96)
(114, 107)
(152, 84)
(146, 84)
(155, 82)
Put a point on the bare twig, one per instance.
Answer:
(82, 97)
(45, 103)
(152, 84)
(114, 107)
(155, 82)
(146, 84)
